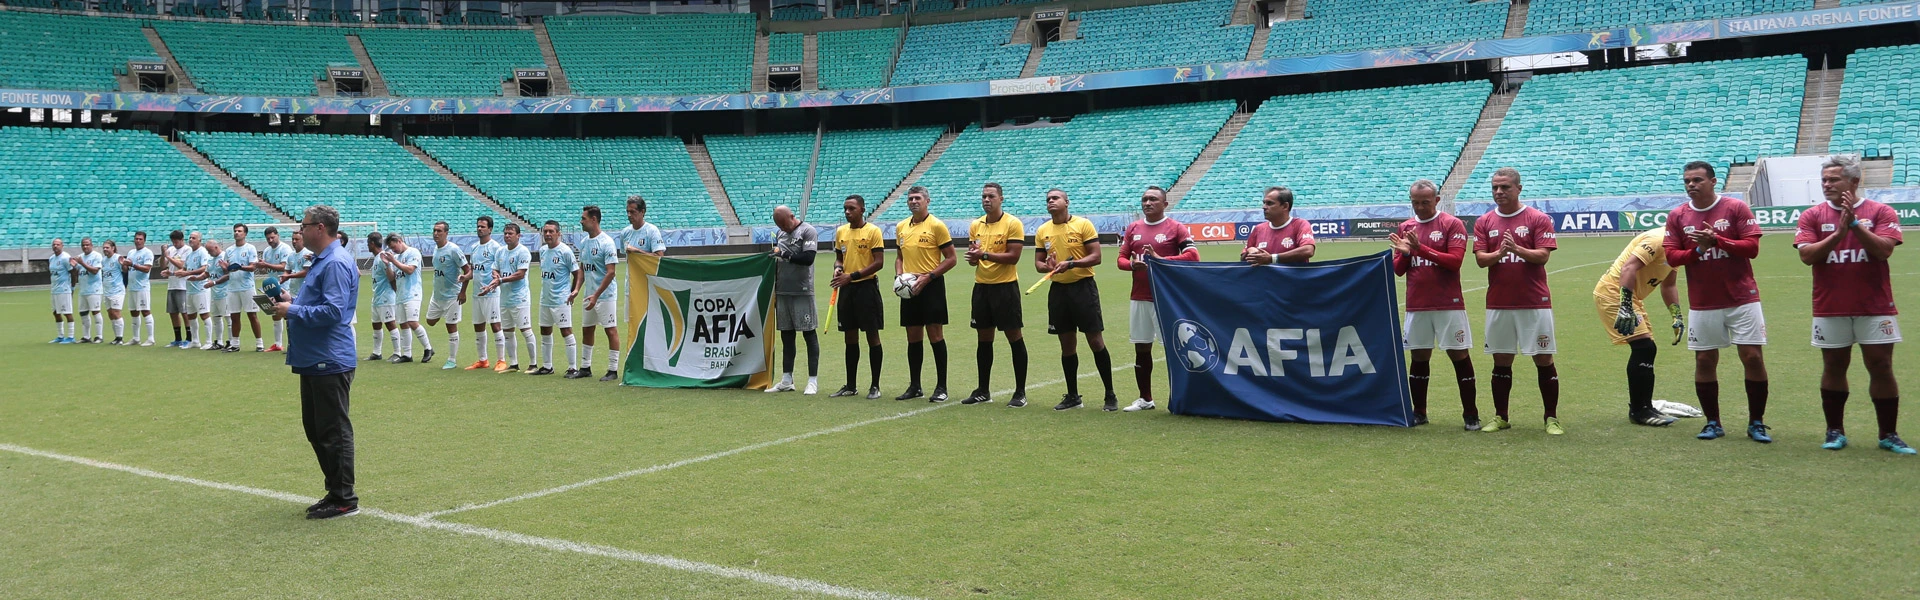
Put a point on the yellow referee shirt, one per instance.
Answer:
(1067, 241)
(857, 246)
(993, 238)
(920, 244)
(1654, 269)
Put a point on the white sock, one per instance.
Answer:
(120, 329)
(393, 339)
(586, 356)
(480, 342)
(510, 351)
(279, 332)
(86, 325)
(220, 329)
(573, 353)
(453, 347)
(546, 351)
(59, 329)
(404, 341)
(148, 322)
(532, 352)
(379, 342)
(786, 378)
(99, 324)
(613, 361)
(421, 334)
(204, 332)
(813, 382)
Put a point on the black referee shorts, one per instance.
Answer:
(996, 306)
(860, 308)
(1074, 307)
(928, 308)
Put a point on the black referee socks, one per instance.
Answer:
(1104, 361)
(939, 364)
(1070, 365)
(1019, 347)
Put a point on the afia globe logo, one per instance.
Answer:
(1197, 350)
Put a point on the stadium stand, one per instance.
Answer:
(1149, 36)
(933, 6)
(868, 162)
(965, 51)
(657, 54)
(855, 59)
(850, 11)
(761, 171)
(59, 52)
(449, 62)
(1879, 113)
(367, 178)
(1334, 26)
(785, 48)
(552, 178)
(1102, 159)
(1579, 16)
(274, 60)
(1621, 132)
(106, 184)
(797, 12)
(1343, 148)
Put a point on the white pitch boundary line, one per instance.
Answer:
(557, 545)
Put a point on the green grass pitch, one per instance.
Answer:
(955, 502)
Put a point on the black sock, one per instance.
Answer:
(853, 365)
(1463, 375)
(916, 354)
(1887, 411)
(1502, 389)
(1833, 403)
(1104, 361)
(939, 364)
(983, 363)
(176, 333)
(1070, 364)
(1143, 376)
(787, 351)
(1417, 372)
(813, 354)
(1640, 374)
(1756, 400)
(1019, 347)
(873, 363)
(1550, 389)
(1709, 394)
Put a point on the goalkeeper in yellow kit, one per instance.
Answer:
(1623, 310)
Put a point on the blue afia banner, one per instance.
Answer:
(1309, 343)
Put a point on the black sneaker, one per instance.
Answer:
(1112, 404)
(1473, 423)
(939, 395)
(324, 500)
(116, 342)
(577, 374)
(374, 356)
(873, 393)
(844, 391)
(1419, 419)
(426, 357)
(541, 371)
(232, 348)
(977, 396)
(331, 510)
(610, 376)
(1068, 402)
(911, 393)
(1649, 417)
(1019, 400)
(402, 359)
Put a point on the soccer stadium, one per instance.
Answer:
(544, 289)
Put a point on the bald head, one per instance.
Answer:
(783, 218)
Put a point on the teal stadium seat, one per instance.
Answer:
(106, 184)
(856, 59)
(1355, 147)
(656, 54)
(1335, 26)
(965, 51)
(933, 6)
(785, 48)
(796, 12)
(1879, 114)
(60, 52)
(1157, 35)
(449, 62)
(1622, 132)
(761, 171)
(366, 178)
(271, 60)
(764, 171)
(1102, 159)
(1579, 16)
(551, 178)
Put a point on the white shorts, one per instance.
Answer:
(407, 312)
(199, 303)
(115, 301)
(90, 303)
(556, 316)
(1841, 332)
(1430, 329)
(139, 301)
(1143, 323)
(383, 313)
(63, 304)
(1527, 331)
(486, 309)
(516, 317)
(240, 302)
(605, 315)
(448, 309)
(1743, 325)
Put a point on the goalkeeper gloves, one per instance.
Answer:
(1626, 321)
(1679, 322)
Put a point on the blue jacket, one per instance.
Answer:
(319, 330)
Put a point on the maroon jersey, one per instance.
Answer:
(1294, 233)
(1721, 276)
(1168, 239)
(1849, 283)
(1514, 283)
(1433, 270)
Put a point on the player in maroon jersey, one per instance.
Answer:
(1158, 235)
(1428, 250)
(1285, 238)
(1715, 239)
(1847, 240)
(1513, 242)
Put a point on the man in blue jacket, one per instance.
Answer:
(320, 329)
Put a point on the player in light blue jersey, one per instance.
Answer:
(560, 275)
(450, 276)
(403, 263)
(195, 266)
(297, 270)
(383, 297)
(138, 263)
(88, 265)
(242, 259)
(486, 303)
(61, 277)
(216, 284)
(274, 261)
(113, 289)
(639, 235)
(599, 257)
(510, 283)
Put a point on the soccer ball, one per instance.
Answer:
(903, 285)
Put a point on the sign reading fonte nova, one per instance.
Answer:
(699, 323)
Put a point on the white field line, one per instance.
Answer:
(748, 448)
(557, 545)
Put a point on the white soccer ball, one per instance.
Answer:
(903, 285)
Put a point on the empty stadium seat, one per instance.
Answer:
(1622, 132)
(855, 59)
(1878, 114)
(656, 54)
(551, 178)
(1155, 35)
(1579, 16)
(366, 178)
(1335, 26)
(274, 60)
(761, 171)
(785, 48)
(106, 184)
(965, 51)
(796, 12)
(1343, 148)
(60, 52)
(449, 62)
(868, 162)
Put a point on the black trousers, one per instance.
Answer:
(323, 411)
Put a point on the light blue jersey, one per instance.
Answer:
(214, 273)
(513, 260)
(198, 259)
(112, 281)
(60, 270)
(486, 257)
(382, 286)
(409, 291)
(302, 262)
(240, 259)
(447, 261)
(557, 266)
(275, 255)
(137, 280)
(596, 253)
(90, 280)
(646, 238)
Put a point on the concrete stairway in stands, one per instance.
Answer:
(1483, 131)
(1215, 147)
(376, 85)
(445, 173)
(207, 165)
(1817, 110)
(913, 176)
(556, 76)
(183, 79)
